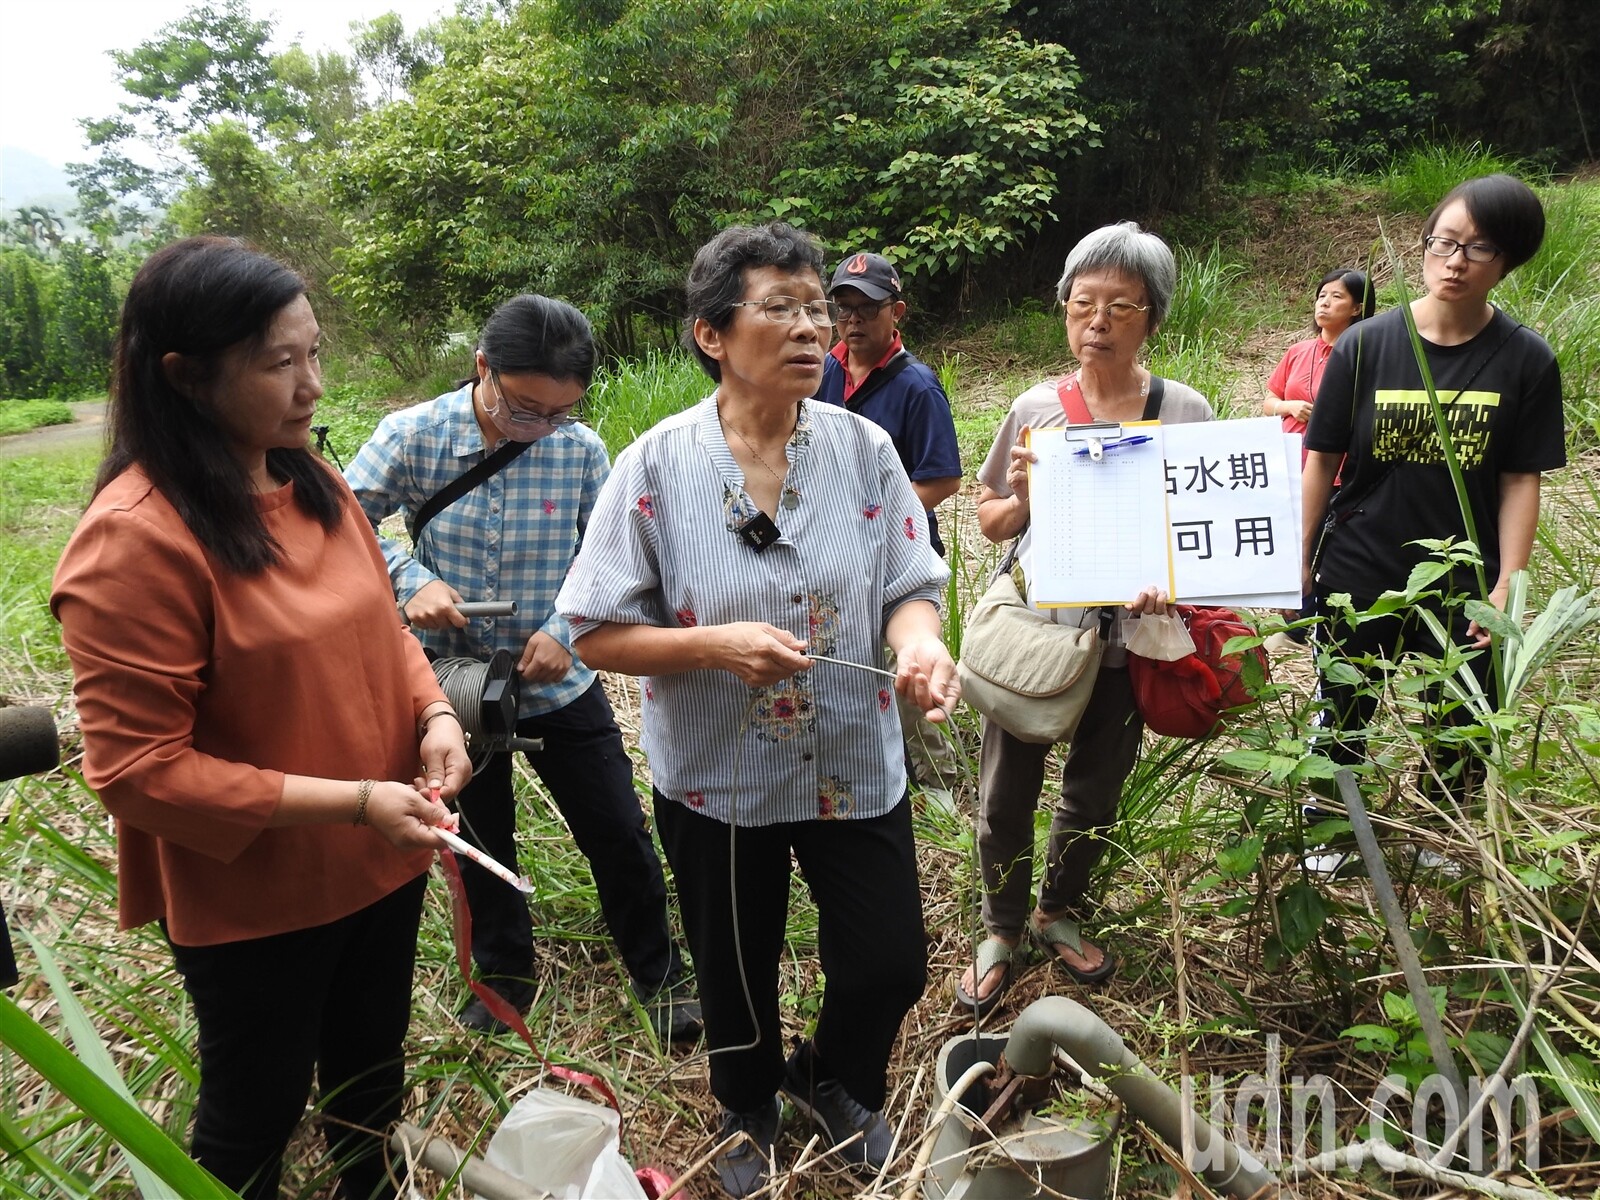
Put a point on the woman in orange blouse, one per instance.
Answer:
(254, 716)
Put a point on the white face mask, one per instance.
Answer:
(499, 412)
(519, 431)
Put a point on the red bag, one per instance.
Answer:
(1188, 698)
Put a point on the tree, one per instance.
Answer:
(588, 150)
(208, 64)
(395, 60)
(24, 341)
(86, 309)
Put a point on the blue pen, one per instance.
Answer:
(1119, 443)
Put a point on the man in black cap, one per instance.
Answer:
(870, 372)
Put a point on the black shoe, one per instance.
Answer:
(742, 1168)
(518, 993)
(837, 1115)
(674, 1011)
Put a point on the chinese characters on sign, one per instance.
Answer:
(1233, 507)
(1231, 517)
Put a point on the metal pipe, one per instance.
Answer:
(447, 1159)
(1405, 950)
(946, 1106)
(487, 608)
(1094, 1045)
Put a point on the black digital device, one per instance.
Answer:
(759, 532)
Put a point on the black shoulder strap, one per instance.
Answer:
(1152, 402)
(879, 377)
(460, 486)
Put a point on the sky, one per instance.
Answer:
(54, 68)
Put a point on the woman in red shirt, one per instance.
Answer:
(1343, 298)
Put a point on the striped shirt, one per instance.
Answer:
(511, 538)
(662, 550)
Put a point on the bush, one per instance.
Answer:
(19, 416)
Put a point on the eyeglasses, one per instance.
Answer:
(865, 312)
(1119, 311)
(1443, 247)
(519, 416)
(786, 310)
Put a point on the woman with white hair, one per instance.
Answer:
(1114, 292)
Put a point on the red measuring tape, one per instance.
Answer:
(498, 1005)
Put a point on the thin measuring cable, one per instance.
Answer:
(733, 881)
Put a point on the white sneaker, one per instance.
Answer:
(1432, 860)
(1330, 864)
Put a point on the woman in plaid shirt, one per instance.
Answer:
(513, 537)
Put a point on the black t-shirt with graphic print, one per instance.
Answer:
(1372, 407)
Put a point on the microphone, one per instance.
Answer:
(28, 743)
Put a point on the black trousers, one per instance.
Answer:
(334, 999)
(590, 777)
(873, 948)
(1349, 706)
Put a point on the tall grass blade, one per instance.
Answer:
(1584, 1103)
(91, 1050)
(17, 1146)
(123, 1121)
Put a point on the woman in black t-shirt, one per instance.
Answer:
(1500, 391)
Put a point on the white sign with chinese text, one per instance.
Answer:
(1233, 512)
(1226, 493)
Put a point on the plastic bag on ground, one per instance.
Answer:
(567, 1146)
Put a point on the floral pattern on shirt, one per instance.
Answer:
(737, 508)
(825, 624)
(784, 709)
(835, 800)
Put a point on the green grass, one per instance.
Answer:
(1203, 856)
(1419, 178)
(19, 416)
(629, 397)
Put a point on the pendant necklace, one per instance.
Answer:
(790, 498)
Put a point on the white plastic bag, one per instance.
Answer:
(1160, 639)
(568, 1147)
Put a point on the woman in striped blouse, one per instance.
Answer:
(746, 558)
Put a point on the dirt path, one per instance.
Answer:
(88, 424)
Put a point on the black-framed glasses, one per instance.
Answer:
(786, 310)
(1443, 247)
(866, 312)
(519, 416)
(1119, 311)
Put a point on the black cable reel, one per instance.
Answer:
(484, 695)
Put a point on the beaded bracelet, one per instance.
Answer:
(363, 794)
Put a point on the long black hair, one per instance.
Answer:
(199, 298)
(535, 335)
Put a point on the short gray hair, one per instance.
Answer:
(1126, 248)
